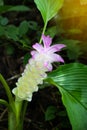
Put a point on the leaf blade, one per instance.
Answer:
(75, 113)
(48, 8)
(71, 80)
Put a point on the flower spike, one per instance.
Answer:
(41, 62)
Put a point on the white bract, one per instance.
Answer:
(35, 70)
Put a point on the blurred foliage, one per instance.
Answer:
(50, 113)
(72, 20)
(18, 34)
(7, 8)
(12, 33)
(73, 49)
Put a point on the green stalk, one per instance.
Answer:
(15, 119)
(44, 28)
(18, 106)
(24, 109)
(8, 92)
(19, 115)
(13, 123)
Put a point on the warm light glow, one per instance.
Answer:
(83, 2)
(74, 15)
(72, 8)
(72, 18)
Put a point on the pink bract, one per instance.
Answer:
(46, 52)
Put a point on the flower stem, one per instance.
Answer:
(15, 120)
(44, 28)
(25, 103)
(18, 106)
(13, 123)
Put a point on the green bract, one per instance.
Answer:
(48, 8)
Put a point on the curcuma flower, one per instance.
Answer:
(35, 71)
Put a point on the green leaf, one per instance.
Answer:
(23, 28)
(3, 102)
(19, 8)
(50, 113)
(25, 42)
(11, 32)
(48, 8)
(7, 88)
(4, 21)
(71, 80)
(8, 92)
(33, 25)
(7, 8)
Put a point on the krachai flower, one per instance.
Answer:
(46, 53)
(35, 71)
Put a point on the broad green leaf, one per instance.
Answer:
(71, 80)
(48, 8)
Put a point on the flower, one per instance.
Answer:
(46, 53)
(35, 70)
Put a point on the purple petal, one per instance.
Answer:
(33, 53)
(38, 47)
(48, 66)
(47, 40)
(56, 47)
(57, 58)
